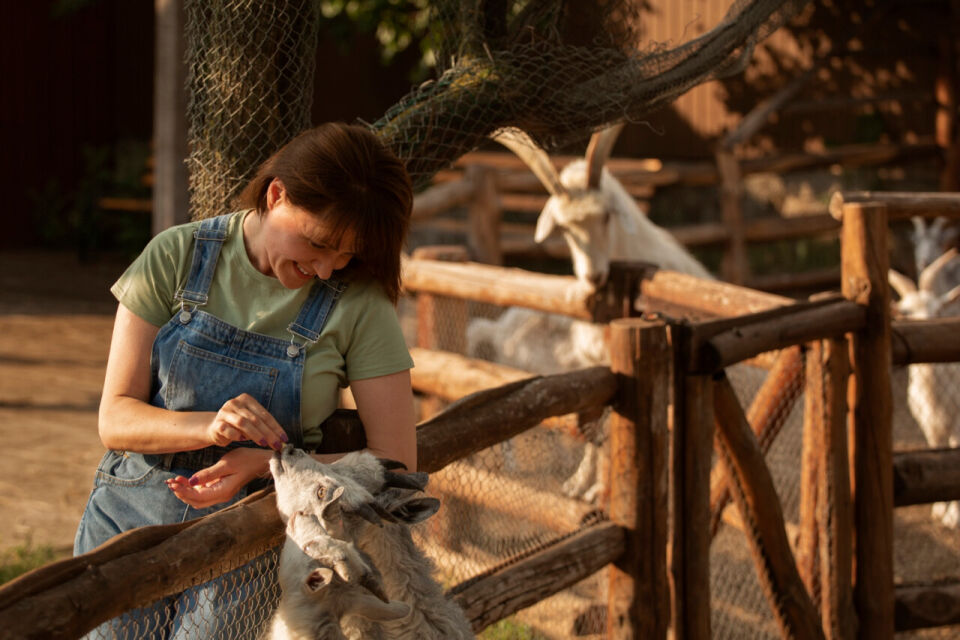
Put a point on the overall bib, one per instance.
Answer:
(199, 362)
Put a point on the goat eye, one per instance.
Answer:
(321, 492)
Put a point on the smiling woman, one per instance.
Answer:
(235, 334)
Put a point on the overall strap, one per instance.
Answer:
(209, 236)
(316, 309)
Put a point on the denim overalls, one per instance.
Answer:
(198, 363)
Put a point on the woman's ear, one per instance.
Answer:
(274, 192)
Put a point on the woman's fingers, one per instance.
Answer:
(243, 418)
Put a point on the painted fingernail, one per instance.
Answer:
(284, 437)
(193, 482)
(262, 442)
(277, 445)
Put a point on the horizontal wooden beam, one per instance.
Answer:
(710, 297)
(936, 340)
(120, 576)
(487, 417)
(901, 204)
(499, 285)
(921, 606)
(431, 375)
(925, 476)
(719, 344)
(504, 591)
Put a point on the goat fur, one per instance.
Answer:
(407, 572)
(324, 580)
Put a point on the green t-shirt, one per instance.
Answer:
(362, 337)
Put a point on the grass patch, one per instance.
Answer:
(18, 560)
(509, 629)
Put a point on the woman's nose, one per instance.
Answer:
(323, 268)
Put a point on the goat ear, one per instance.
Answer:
(318, 579)
(951, 296)
(416, 510)
(901, 283)
(545, 225)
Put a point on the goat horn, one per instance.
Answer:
(925, 281)
(389, 464)
(598, 152)
(533, 156)
(416, 481)
(918, 225)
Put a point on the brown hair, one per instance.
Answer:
(344, 174)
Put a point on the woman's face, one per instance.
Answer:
(293, 245)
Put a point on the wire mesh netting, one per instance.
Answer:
(231, 605)
(250, 72)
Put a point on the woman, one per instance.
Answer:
(233, 336)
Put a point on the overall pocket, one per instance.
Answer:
(200, 380)
(122, 469)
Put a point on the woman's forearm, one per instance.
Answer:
(130, 424)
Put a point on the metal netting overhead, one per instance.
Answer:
(250, 71)
(559, 69)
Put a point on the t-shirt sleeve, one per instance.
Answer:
(149, 285)
(377, 346)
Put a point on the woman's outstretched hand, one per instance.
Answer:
(243, 418)
(221, 482)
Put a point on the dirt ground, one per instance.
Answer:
(56, 316)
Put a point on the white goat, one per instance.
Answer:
(939, 420)
(377, 522)
(600, 222)
(324, 580)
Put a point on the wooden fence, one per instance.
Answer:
(671, 405)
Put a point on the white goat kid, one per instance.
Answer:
(601, 222)
(324, 580)
(938, 419)
(377, 522)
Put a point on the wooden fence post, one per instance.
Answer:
(483, 215)
(734, 267)
(865, 263)
(638, 445)
(829, 370)
(688, 562)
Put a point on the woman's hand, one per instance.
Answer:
(243, 418)
(221, 482)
